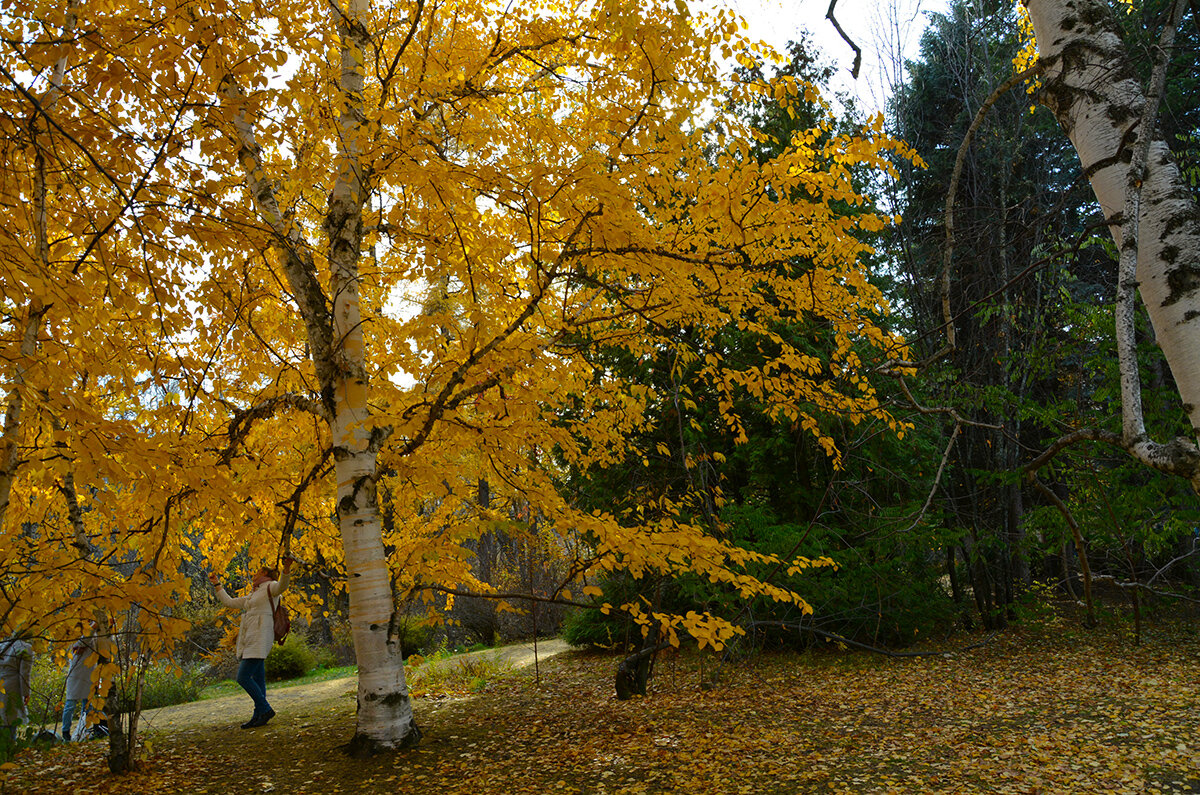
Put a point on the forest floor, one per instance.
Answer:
(1052, 709)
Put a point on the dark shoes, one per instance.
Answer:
(259, 720)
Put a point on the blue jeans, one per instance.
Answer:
(69, 714)
(252, 676)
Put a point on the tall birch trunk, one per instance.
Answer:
(1100, 103)
(385, 718)
(335, 340)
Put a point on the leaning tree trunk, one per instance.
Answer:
(1093, 90)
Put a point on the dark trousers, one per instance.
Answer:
(252, 676)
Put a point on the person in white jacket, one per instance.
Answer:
(256, 633)
(84, 659)
(16, 669)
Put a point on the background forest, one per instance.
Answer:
(949, 527)
(549, 330)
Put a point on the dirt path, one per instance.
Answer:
(302, 703)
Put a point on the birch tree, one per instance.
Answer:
(530, 177)
(542, 180)
(1110, 117)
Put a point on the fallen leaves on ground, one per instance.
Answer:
(1027, 713)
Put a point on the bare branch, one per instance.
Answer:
(1080, 546)
(846, 38)
(952, 191)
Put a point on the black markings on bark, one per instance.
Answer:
(350, 503)
(1182, 282)
(395, 699)
(1190, 215)
(327, 399)
(1094, 15)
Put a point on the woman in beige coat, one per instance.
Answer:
(256, 633)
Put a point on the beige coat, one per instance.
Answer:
(84, 659)
(256, 633)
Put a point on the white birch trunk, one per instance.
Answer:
(1099, 101)
(385, 718)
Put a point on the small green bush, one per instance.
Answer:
(444, 673)
(591, 628)
(413, 635)
(342, 644)
(166, 685)
(46, 688)
(326, 658)
(291, 660)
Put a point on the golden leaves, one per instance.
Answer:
(540, 186)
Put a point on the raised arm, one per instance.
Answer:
(285, 578)
(238, 602)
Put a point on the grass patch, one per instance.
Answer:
(229, 687)
(444, 673)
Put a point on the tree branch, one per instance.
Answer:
(952, 191)
(837, 26)
(242, 422)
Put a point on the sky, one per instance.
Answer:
(881, 28)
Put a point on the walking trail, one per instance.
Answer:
(303, 702)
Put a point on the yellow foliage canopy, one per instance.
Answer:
(520, 178)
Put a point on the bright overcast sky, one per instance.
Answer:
(881, 28)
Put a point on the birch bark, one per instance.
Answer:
(385, 718)
(336, 345)
(1100, 103)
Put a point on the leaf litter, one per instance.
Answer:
(1033, 711)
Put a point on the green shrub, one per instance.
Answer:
(291, 660)
(325, 657)
(444, 673)
(167, 684)
(592, 628)
(413, 634)
(342, 643)
(46, 688)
